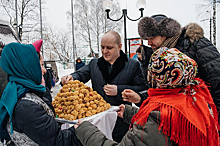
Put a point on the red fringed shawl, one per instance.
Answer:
(185, 116)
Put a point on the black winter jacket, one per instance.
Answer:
(206, 56)
(196, 46)
(31, 119)
(126, 74)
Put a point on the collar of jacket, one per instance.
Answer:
(193, 32)
(118, 66)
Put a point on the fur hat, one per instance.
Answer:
(158, 25)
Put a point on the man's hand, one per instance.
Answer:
(131, 96)
(65, 79)
(120, 112)
(110, 90)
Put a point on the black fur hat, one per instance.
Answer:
(158, 25)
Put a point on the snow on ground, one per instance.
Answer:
(62, 72)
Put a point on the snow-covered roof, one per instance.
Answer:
(7, 35)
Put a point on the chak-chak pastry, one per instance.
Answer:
(76, 100)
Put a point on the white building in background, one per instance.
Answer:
(7, 34)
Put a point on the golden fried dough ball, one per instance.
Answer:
(76, 100)
(76, 93)
(94, 112)
(89, 108)
(96, 101)
(88, 113)
(74, 112)
(61, 115)
(87, 104)
(80, 101)
(91, 102)
(94, 92)
(81, 95)
(77, 89)
(65, 86)
(94, 106)
(83, 90)
(58, 94)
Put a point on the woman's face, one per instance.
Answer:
(42, 65)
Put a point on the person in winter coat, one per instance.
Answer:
(47, 78)
(143, 55)
(79, 63)
(178, 112)
(161, 31)
(110, 75)
(26, 115)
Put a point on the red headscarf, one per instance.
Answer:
(187, 112)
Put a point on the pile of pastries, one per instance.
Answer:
(76, 100)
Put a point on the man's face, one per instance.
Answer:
(139, 56)
(156, 42)
(110, 50)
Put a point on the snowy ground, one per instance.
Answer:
(62, 72)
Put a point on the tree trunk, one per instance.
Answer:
(214, 22)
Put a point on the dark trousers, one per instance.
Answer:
(119, 130)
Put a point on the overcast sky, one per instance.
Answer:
(184, 11)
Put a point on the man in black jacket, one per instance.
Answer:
(110, 75)
(161, 31)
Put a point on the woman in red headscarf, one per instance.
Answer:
(179, 110)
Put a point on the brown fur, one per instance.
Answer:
(194, 32)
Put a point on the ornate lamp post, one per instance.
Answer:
(41, 28)
(140, 5)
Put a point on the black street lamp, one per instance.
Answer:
(140, 5)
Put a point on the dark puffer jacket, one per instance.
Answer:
(126, 74)
(196, 46)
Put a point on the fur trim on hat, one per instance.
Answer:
(148, 27)
(194, 32)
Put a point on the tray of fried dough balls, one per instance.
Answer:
(78, 101)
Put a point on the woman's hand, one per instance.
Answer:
(131, 96)
(120, 112)
(79, 122)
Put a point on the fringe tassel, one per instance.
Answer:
(183, 132)
(177, 127)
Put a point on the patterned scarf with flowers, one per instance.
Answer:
(187, 111)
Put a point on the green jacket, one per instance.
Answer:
(148, 135)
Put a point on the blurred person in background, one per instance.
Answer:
(143, 55)
(79, 63)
